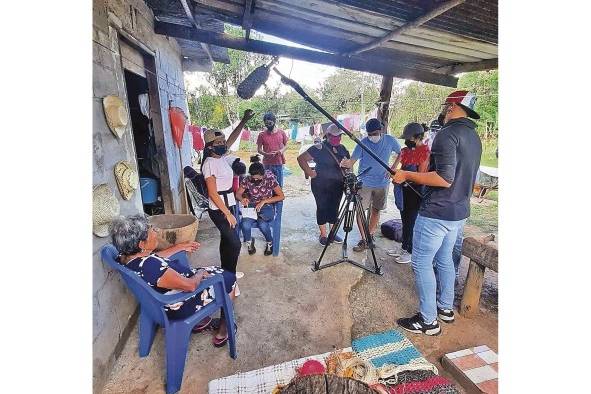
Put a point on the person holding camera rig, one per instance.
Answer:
(326, 179)
(454, 162)
(219, 179)
(374, 190)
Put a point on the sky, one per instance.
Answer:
(305, 73)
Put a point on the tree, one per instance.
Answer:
(224, 78)
(421, 102)
(342, 92)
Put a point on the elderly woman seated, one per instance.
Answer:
(136, 241)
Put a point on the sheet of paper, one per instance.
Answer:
(249, 213)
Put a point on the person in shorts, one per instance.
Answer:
(376, 180)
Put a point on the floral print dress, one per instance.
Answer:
(151, 268)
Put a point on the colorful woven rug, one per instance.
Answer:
(401, 365)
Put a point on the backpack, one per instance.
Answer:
(392, 229)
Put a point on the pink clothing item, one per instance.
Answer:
(273, 142)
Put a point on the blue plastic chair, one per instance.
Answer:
(177, 333)
(275, 226)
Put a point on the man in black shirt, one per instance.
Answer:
(455, 159)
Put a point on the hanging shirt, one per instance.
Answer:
(224, 177)
(376, 177)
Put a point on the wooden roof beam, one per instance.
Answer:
(247, 16)
(358, 63)
(189, 13)
(435, 12)
(488, 64)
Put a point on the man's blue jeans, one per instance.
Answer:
(433, 244)
(277, 170)
(457, 253)
(265, 228)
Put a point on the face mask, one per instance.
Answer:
(410, 144)
(256, 181)
(375, 138)
(334, 140)
(219, 150)
(270, 125)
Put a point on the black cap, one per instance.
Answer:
(373, 124)
(412, 129)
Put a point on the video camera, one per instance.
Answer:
(352, 182)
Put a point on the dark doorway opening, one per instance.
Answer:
(145, 143)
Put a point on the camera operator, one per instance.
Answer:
(375, 181)
(454, 162)
(326, 179)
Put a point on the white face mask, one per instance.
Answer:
(375, 138)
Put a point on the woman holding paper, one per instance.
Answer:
(257, 192)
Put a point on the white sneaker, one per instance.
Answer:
(393, 252)
(404, 258)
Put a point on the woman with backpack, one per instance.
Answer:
(413, 157)
(259, 190)
(219, 178)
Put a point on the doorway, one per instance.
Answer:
(144, 141)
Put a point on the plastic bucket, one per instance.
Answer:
(149, 188)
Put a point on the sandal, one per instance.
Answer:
(203, 325)
(220, 342)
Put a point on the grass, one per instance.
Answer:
(489, 157)
(484, 216)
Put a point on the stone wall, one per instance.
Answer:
(113, 305)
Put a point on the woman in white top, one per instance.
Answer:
(218, 176)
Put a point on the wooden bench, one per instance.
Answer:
(482, 255)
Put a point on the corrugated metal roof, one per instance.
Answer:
(465, 34)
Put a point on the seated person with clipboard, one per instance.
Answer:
(257, 192)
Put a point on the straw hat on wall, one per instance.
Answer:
(127, 179)
(116, 114)
(105, 208)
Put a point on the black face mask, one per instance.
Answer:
(410, 144)
(219, 150)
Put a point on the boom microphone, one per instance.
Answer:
(248, 87)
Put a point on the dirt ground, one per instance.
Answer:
(286, 311)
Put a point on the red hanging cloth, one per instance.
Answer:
(178, 121)
(198, 143)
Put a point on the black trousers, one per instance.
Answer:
(328, 194)
(229, 241)
(412, 203)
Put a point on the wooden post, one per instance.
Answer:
(385, 93)
(472, 290)
(481, 256)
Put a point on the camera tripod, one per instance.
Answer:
(350, 208)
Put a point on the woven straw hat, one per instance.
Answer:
(105, 208)
(116, 114)
(127, 179)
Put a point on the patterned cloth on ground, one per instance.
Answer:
(391, 353)
(264, 380)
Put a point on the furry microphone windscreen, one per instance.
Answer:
(247, 88)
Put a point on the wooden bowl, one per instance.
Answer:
(174, 229)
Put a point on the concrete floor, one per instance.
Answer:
(286, 311)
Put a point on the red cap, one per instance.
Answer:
(466, 100)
